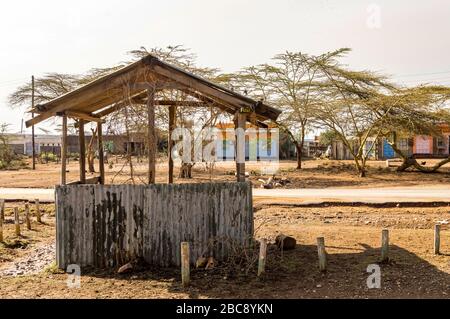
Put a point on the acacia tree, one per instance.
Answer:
(185, 115)
(350, 106)
(421, 110)
(128, 120)
(289, 83)
(362, 107)
(6, 153)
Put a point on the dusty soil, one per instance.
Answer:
(315, 174)
(14, 248)
(352, 238)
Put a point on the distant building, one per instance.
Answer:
(21, 144)
(260, 146)
(113, 144)
(282, 147)
(313, 148)
(419, 146)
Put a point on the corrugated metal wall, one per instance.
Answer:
(107, 226)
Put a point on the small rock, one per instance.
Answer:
(285, 242)
(126, 269)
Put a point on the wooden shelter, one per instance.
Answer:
(139, 83)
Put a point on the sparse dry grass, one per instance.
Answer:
(315, 174)
(353, 237)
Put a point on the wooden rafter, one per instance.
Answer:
(84, 116)
(106, 95)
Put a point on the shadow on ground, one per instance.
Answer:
(295, 274)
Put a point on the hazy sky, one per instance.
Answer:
(409, 40)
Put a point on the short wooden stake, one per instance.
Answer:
(2, 210)
(185, 264)
(17, 221)
(38, 211)
(27, 216)
(262, 257)
(385, 246)
(1, 230)
(437, 239)
(322, 254)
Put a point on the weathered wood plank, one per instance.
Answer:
(437, 239)
(107, 226)
(385, 246)
(64, 151)
(101, 156)
(82, 142)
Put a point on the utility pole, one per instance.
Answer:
(32, 128)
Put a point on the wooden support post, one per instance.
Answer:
(262, 257)
(27, 216)
(38, 211)
(82, 141)
(64, 151)
(17, 221)
(241, 119)
(437, 239)
(33, 139)
(322, 254)
(385, 246)
(151, 137)
(185, 264)
(172, 124)
(101, 155)
(2, 210)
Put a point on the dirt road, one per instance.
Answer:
(304, 196)
(43, 194)
(362, 195)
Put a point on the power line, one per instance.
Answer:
(421, 74)
(15, 80)
(441, 79)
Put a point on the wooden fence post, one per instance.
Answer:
(385, 246)
(437, 239)
(1, 230)
(38, 211)
(322, 254)
(185, 264)
(262, 257)
(2, 210)
(17, 221)
(27, 216)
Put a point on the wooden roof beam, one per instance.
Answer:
(89, 92)
(198, 85)
(84, 116)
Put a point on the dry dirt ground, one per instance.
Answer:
(316, 174)
(352, 238)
